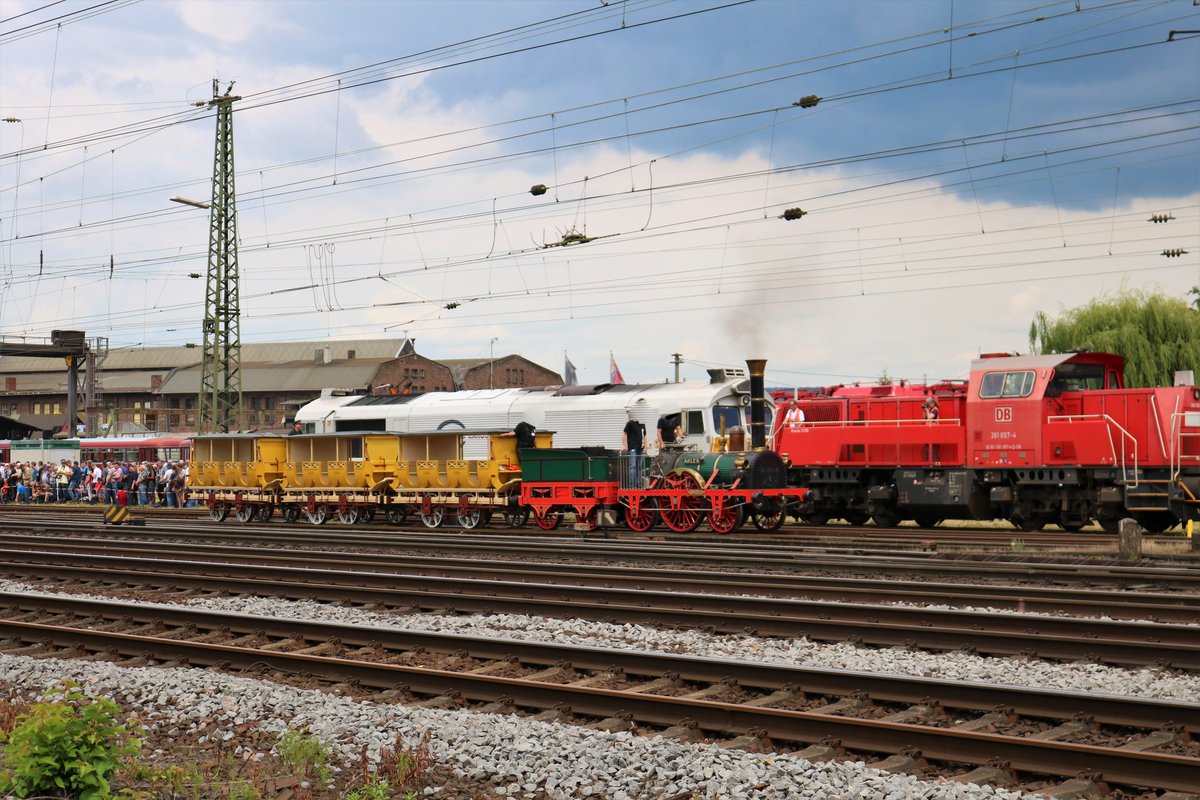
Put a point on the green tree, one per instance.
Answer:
(1156, 334)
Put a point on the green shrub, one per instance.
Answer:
(307, 754)
(71, 746)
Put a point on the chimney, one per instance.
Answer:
(758, 403)
(328, 355)
(318, 357)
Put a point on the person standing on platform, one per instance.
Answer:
(633, 443)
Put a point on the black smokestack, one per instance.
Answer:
(758, 403)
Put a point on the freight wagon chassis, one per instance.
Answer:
(470, 509)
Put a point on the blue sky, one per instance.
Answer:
(1029, 144)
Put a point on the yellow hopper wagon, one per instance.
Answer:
(454, 477)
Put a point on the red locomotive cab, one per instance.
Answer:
(1045, 411)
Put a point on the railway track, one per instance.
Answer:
(898, 538)
(1152, 606)
(1120, 642)
(827, 714)
(1063, 569)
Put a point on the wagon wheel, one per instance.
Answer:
(219, 512)
(485, 517)
(688, 515)
(1027, 523)
(368, 514)
(434, 518)
(319, 515)
(265, 512)
(290, 512)
(816, 519)
(770, 521)
(643, 520)
(856, 518)
(245, 513)
(1071, 525)
(1110, 524)
(516, 516)
(470, 518)
(590, 520)
(727, 520)
(396, 515)
(885, 519)
(1155, 521)
(548, 521)
(927, 520)
(349, 516)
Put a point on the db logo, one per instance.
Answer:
(1003, 413)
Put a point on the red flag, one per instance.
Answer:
(614, 372)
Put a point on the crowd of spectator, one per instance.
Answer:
(158, 483)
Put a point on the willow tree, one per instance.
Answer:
(1157, 334)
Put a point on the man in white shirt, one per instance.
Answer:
(794, 416)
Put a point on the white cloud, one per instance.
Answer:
(230, 21)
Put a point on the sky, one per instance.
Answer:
(966, 165)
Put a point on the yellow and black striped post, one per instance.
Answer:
(116, 515)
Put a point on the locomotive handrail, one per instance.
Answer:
(1178, 422)
(881, 422)
(1111, 423)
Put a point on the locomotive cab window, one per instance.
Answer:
(1006, 384)
(693, 422)
(1076, 378)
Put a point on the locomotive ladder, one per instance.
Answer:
(1179, 421)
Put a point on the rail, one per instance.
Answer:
(1110, 424)
(1179, 421)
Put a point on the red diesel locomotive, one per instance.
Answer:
(1037, 440)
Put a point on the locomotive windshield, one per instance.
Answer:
(1006, 384)
(726, 418)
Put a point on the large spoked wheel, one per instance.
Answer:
(219, 512)
(396, 515)
(319, 515)
(643, 520)
(727, 520)
(688, 515)
(516, 517)
(434, 518)
(768, 521)
(548, 521)
(349, 516)
(291, 513)
(244, 514)
(265, 512)
(470, 518)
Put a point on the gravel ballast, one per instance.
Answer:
(514, 756)
(1153, 683)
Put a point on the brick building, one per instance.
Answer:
(155, 388)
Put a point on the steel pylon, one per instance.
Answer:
(220, 401)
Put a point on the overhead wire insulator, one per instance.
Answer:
(1174, 252)
(793, 213)
(1161, 217)
(808, 101)
(451, 306)
(193, 274)
(538, 189)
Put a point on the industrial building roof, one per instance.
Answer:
(167, 358)
(288, 376)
